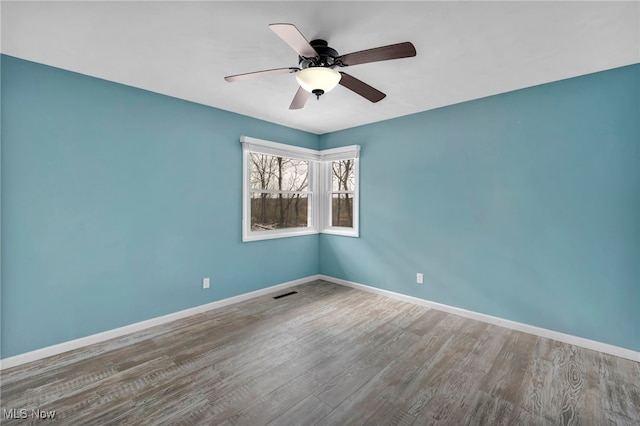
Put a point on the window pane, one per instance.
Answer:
(278, 211)
(342, 176)
(342, 210)
(278, 173)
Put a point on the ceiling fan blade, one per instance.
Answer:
(384, 53)
(299, 99)
(250, 75)
(294, 38)
(361, 88)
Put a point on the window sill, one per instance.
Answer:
(270, 235)
(345, 232)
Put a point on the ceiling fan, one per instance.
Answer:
(317, 61)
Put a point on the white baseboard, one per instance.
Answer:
(127, 329)
(525, 328)
(121, 331)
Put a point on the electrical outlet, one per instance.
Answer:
(419, 278)
(205, 283)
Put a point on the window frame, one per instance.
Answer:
(328, 157)
(319, 187)
(257, 146)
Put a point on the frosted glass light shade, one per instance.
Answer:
(318, 78)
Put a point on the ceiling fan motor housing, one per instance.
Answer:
(326, 56)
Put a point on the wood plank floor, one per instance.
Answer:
(328, 355)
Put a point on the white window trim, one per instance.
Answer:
(326, 192)
(319, 185)
(278, 149)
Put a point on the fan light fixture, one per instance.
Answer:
(318, 80)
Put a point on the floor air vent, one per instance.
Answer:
(285, 295)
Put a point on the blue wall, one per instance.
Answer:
(525, 206)
(116, 202)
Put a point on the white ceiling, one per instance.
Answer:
(466, 50)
